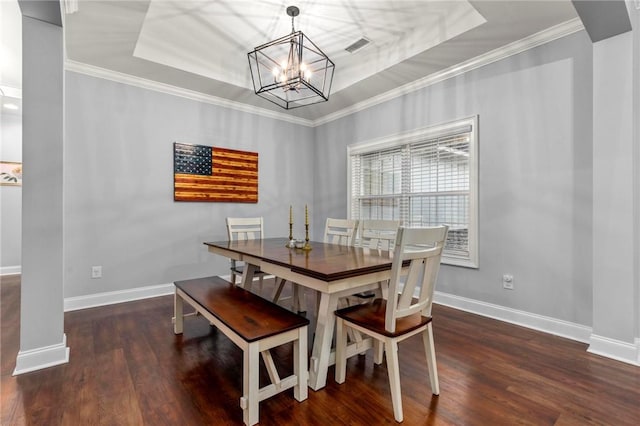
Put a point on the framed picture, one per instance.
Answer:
(10, 173)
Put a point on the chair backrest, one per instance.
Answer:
(422, 248)
(340, 231)
(378, 234)
(245, 228)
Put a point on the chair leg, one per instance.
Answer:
(378, 351)
(430, 351)
(178, 313)
(341, 349)
(260, 284)
(354, 335)
(393, 368)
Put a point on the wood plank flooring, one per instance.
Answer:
(128, 368)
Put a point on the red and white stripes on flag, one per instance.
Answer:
(203, 173)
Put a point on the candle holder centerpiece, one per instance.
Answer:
(299, 244)
(306, 246)
(291, 243)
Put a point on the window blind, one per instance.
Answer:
(426, 181)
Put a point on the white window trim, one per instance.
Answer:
(421, 134)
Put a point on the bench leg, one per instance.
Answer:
(300, 368)
(250, 384)
(178, 307)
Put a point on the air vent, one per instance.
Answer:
(357, 45)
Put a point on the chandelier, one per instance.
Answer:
(291, 71)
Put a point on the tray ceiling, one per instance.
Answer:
(202, 46)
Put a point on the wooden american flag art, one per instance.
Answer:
(205, 173)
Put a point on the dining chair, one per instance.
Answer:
(245, 228)
(376, 234)
(340, 231)
(416, 261)
(336, 231)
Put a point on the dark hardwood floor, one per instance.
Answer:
(128, 368)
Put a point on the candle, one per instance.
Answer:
(306, 215)
(290, 214)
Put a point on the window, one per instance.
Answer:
(427, 177)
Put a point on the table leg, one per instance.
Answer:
(322, 342)
(247, 276)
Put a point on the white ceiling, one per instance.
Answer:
(202, 46)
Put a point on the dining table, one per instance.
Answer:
(334, 271)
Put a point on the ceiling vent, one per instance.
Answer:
(357, 45)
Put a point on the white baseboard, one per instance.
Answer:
(121, 296)
(111, 297)
(11, 270)
(615, 349)
(39, 358)
(549, 325)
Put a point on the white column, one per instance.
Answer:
(615, 192)
(42, 338)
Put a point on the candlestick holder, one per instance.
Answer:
(307, 246)
(291, 243)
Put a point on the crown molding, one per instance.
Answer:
(534, 40)
(540, 38)
(118, 77)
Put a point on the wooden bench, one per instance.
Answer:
(256, 326)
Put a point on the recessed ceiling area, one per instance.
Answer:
(202, 46)
(212, 39)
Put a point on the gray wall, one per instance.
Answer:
(535, 145)
(10, 196)
(119, 208)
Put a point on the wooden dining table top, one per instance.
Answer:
(327, 262)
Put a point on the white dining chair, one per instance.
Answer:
(391, 321)
(340, 231)
(245, 228)
(378, 233)
(375, 234)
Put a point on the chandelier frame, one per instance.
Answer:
(306, 78)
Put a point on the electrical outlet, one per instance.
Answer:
(96, 272)
(507, 281)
